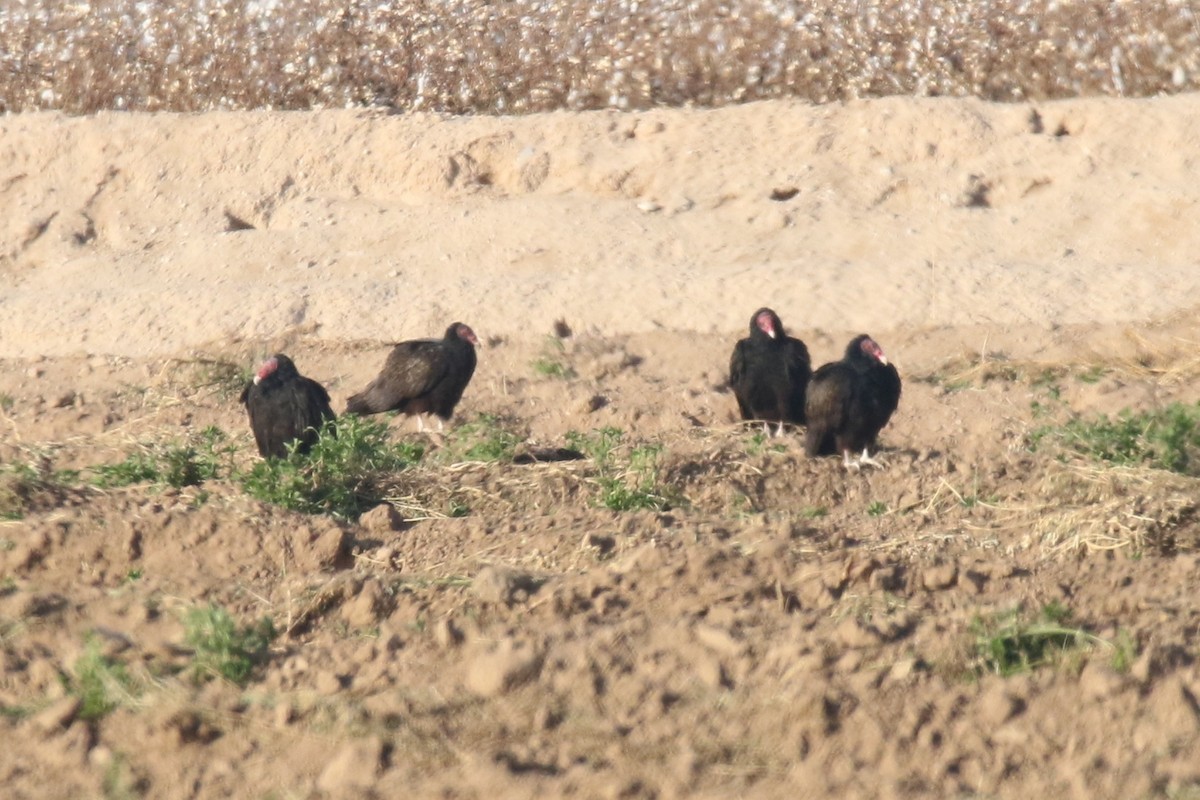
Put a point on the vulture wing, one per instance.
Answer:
(799, 373)
(827, 406)
(739, 376)
(411, 371)
(881, 399)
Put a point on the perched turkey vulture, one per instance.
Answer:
(849, 402)
(285, 406)
(423, 376)
(769, 372)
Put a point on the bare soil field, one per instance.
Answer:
(1007, 609)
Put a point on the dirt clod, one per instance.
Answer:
(353, 769)
(496, 584)
(363, 610)
(503, 667)
(58, 716)
(940, 577)
(446, 633)
(381, 520)
(321, 545)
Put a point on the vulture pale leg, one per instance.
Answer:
(421, 424)
(771, 434)
(866, 460)
(852, 466)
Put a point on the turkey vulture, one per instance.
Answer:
(769, 372)
(285, 406)
(849, 402)
(423, 376)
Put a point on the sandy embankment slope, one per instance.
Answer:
(875, 215)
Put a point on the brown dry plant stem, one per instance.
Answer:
(473, 56)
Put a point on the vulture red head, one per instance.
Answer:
(279, 365)
(872, 349)
(464, 332)
(768, 322)
(268, 367)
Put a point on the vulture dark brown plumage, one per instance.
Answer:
(423, 376)
(769, 372)
(849, 402)
(284, 406)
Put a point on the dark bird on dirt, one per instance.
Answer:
(423, 376)
(769, 373)
(849, 402)
(284, 406)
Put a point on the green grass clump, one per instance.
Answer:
(225, 378)
(1124, 652)
(342, 475)
(18, 483)
(119, 783)
(1013, 642)
(551, 363)
(637, 487)
(759, 442)
(136, 468)
(599, 445)
(485, 438)
(16, 713)
(224, 649)
(190, 463)
(101, 683)
(551, 368)
(1092, 374)
(1166, 438)
(624, 484)
(26, 486)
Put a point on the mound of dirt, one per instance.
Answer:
(876, 216)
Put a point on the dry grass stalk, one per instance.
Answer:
(1110, 508)
(1167, 366)
(1178, 364)
(472, 56)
